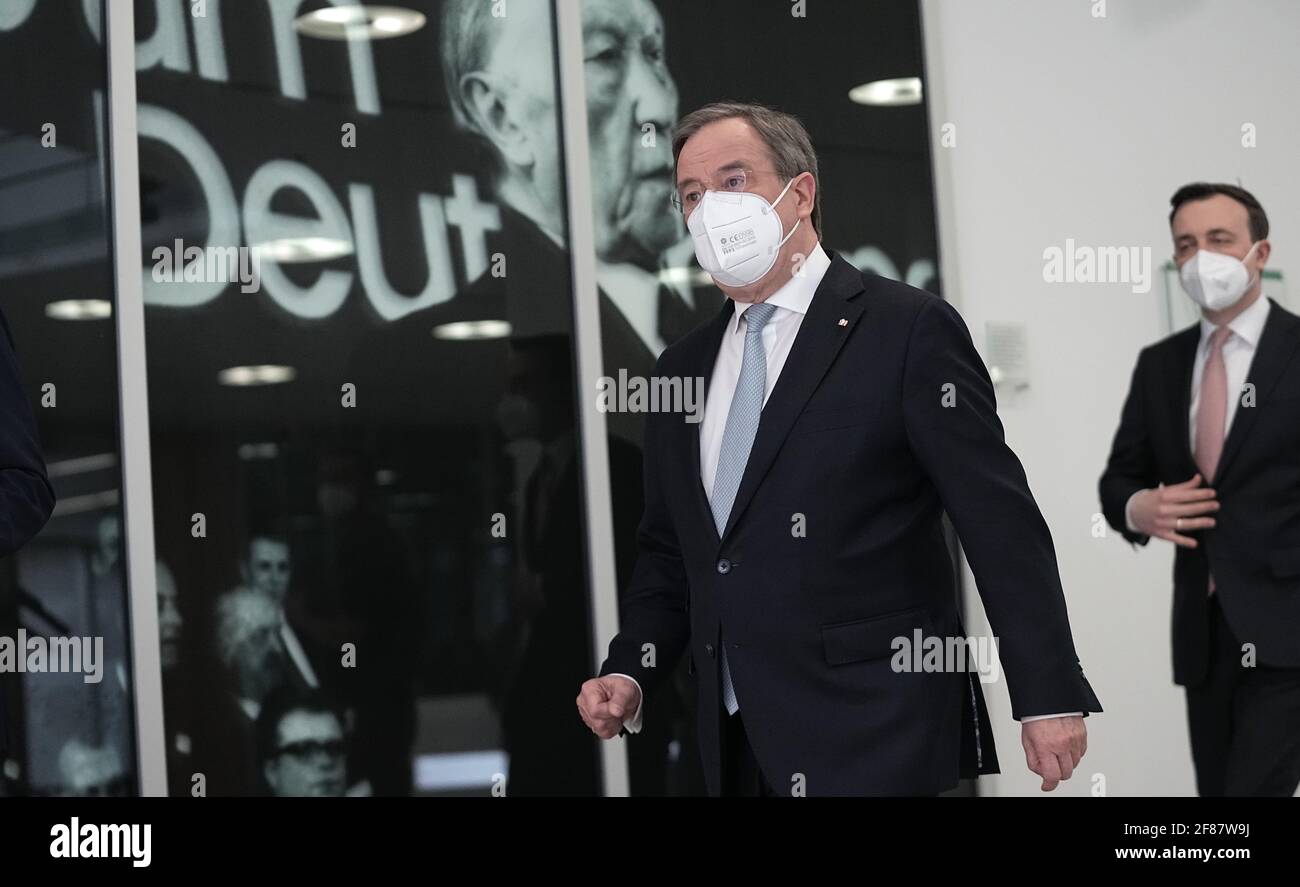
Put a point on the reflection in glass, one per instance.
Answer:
(66, 720)
(366, 472)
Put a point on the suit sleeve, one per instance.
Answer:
(1132, 465)
(950, 414)
(26, 498)
(653, 607)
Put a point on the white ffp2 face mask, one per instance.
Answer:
(1215, 281)
(737, 235)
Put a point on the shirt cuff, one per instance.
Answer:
(1128, 513)
(1068, 714)
(632, 722)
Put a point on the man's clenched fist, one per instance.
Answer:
(1054, 747)
(605, 702)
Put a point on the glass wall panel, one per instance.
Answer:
(66, 717)
(366, 468)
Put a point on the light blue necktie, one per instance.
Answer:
(738, 440)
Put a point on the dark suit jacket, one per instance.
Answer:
(26, 498)
(856, 438)
(1254, 549)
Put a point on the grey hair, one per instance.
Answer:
(784, 134)
(466, 45)
(239, 613)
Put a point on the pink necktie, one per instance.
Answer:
(1212, 411)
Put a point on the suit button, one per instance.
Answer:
(724, 566)
(708, 648)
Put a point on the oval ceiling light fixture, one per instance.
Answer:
(472, 330)
(79, 309)
(292, 250)
(252, 452)
(888, 93)
(262, 374)
(351, 22)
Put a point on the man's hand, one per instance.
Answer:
(1164, 511)
(1054, 747)
(605, 702)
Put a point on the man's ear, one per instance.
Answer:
(805, 191)
(1263, 250)
(490, 115)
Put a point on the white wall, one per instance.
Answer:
(1073, 126)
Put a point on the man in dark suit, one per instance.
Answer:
(26, 498)
(793, 538)
(1207, 456)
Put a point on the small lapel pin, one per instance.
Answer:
(844, 321)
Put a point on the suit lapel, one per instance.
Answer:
(1184, 365)
(830, 319)
(1277, 345)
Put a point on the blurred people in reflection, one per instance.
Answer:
(549, 624)
(267, 568)
(254, 665)
(106, 618)
(178, 693)
(26, 497)
(170, 622)
(92, 771)
(249, 646)
(549, 618)
(301, 745)
(358, 603)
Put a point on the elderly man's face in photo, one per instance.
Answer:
(268, 568)
(514, 100)
(249, 636)
(628, 87)
(308, 760)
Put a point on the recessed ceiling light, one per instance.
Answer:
(79, 309)
(264, 374)
(252, 452)
(289, 250)
(356, 22)
(888, 93)
(467, 330)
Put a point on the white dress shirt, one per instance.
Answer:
(1238, 354)
(791, 301)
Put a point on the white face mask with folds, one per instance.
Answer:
(1215, 281)
(737, 235)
